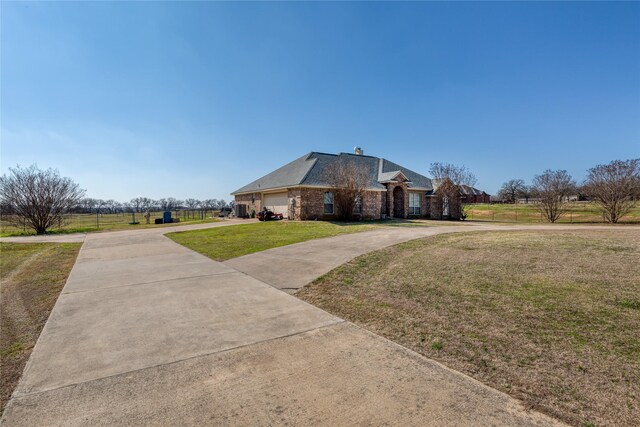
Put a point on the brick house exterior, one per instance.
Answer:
(298, 190)
(473, 195)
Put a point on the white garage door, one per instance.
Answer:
(277, 202)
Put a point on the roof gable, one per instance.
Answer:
(308, 170)
(288, 175)
(396, 176)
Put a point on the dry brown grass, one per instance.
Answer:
(551, 318)
(32, 276)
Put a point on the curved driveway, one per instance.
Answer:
(148, 332)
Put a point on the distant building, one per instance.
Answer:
(473, 195)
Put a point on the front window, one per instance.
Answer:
(357, 205)
(328, 202)
(415, 204)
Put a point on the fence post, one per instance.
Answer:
(97, 220)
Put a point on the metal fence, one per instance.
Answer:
(577, 213)
(103, 221)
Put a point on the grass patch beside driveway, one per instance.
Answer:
(32, 275)
(224, 243)
(549, 317)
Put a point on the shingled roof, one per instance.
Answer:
(308, 170)
(465, 190)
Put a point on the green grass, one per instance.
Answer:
(87, 224)
(32, 276)
(552, 318)
(224, 243)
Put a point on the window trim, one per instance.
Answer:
(357, 206)
(415, 210)
(332, 204)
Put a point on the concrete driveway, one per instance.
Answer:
(289, 268)
(147, 332)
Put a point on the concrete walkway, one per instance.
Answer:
(147, 332)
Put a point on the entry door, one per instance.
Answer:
(398, 203)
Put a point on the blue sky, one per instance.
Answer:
(196, 99)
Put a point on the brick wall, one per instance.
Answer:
(312, 204)
(253, 202)
(478, 198)
(371, 204)
(390, 201)
(436, 208)
(295, 209)
(309, 204)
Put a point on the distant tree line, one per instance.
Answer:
(613, 187)
(39, 199)
(143, 204)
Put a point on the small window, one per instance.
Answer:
(328, 202)
(415, 204)
(357, 206)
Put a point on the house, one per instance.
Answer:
(299, 190)
(473, 195)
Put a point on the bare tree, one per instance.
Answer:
(526, 193)
(38, 198)
(88, 204)
(512, 190)
(175, 203)
(349, 182)
(615, 187)
(169, 203)
(447, 200)
(114, 206)
(100, 203)
(209, 204)
(459, 175)
(145, 203)
(136, 204)
(109, 205)
(192, 203)
(552, 190)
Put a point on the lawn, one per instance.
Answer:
(224, 243)
(551, 318)
(32, 275)
(578, 212)
(85, 223)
